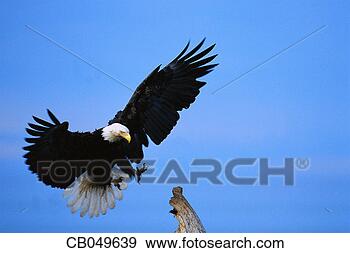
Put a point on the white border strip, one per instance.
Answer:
(50, 243)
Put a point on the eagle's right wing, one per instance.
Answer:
(52, 141)
(91, 194)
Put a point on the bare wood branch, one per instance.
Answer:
(189, 221)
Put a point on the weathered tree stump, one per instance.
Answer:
(189, 221)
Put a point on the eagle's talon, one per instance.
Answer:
(140, 171)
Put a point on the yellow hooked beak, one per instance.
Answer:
(126, 136)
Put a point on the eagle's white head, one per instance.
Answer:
(112, 132)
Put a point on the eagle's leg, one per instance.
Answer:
(127, 168)
(140, 171)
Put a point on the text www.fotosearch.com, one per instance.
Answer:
(180, 243)
(196, 243)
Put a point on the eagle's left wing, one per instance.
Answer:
(153, 108)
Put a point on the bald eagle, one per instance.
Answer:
(152, 112)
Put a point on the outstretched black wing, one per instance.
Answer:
(153, 109)
(51, 141)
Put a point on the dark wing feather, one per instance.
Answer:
(153, 108)
(53, 142)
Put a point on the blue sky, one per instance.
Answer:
(295, 105)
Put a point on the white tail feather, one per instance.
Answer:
(111, 199)
(119, 194)
(94, 199)
(85, 205)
